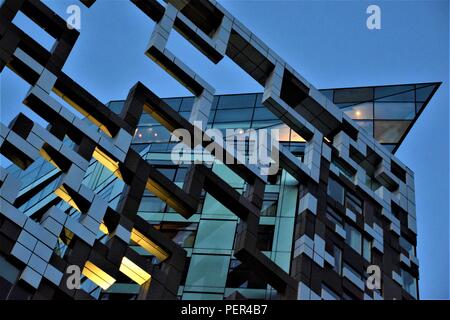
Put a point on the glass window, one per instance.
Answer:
(330, 294)
(147, 119)
(328, 94)
(151, 134)
(181, 174)
(295, 137)
(337, 254)
(182, 233)
(402, 97)
(116, 106)
(360, 111)
(208, 271)
(258, 103)
(352, 271)
(367, 126)
(409, 283)
(238, 101)
(405, 244)
(334, 217)
(265, 237)
(233, 115)
(353, 238)
(385, 91)
(353, 203)
(367, 250)
(270, 202)
(186, 104)
(168, 172)
(390, 131)
(422, 94)
(212, 206)
(174, 103)
(395, 110)
(215, 234)
(151, 204)
(342, 167)
(389, 147)
(336, 191)
(353, 95)
(8, 271)
(284, 133)
(263, 114)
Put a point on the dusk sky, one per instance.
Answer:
(325, 41)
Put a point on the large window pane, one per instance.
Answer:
(422, 94)
(233, 115)
(151, 134)
(182, 233)
(186, 104)
(353, 95)
(263, 114)
(382, 92)
(236, 101)
(403, 96)
(116, 106)
(390, 131)
(334, 217)
(409, 283)
(353, 203)
(360, 111)
(336, 191)
(337, 254)
(151, 204)
(208, 271)
(353, 238)
(367, 250)
(215, 234)
(174, 103)
(395, 110)
(405, 244)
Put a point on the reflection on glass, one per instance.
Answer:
(263, 114)
(382, 92)
(390, 131)
(407, 96)
(236, 101)
(367, 125)
(284, 134)
(234, 115)
(409, 283)
(174, 103)
(215, 234)
(208, 271)
(423, 93)
(353, 95)
(151, 134)
(394, 110)
(186, 104)
(295, 137)
(360, 111)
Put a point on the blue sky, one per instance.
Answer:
(329, 44)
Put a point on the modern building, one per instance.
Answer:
(318, 224)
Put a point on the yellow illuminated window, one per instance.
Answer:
(148, 245)
(98, 276)
(133, 271)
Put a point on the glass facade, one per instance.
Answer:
(212, 271)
